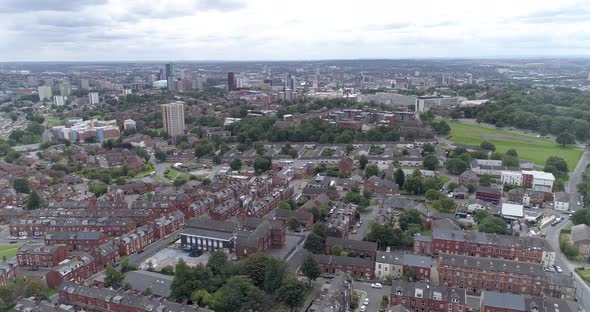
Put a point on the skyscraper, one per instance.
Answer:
(170, 77)
(316, 78)
(231, 82)
(93, 97)
(44, 92)
(84, 84)
(469, 78)
(173, 118)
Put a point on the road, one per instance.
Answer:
(373, 294)
(137, 259)
(552, 234)
(366, 218)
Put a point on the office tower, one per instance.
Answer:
(44, 93)
(469, 78)
(84, 84)
(170, 77)
(173, 118)
(93, 97)
(231, 82)
(65, 89)
(59, 100)
(316, 78)
(161, 75)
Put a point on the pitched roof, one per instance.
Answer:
(427, 291)
(580, 232)
(158, 284)
(345, 261)
(351, 244)
(491, 264)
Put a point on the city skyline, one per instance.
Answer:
(236, 30)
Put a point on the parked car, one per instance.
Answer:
(376, 285)
(363, 308)
(558, 268)
(366, 302)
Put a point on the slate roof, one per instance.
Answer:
(428, 291)
(492, 265)
(417, 261)
(491, 239)
(345, 261)
(580, 232)
(351, 244)
(394, 257)
(158, 284)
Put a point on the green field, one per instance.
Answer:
(585, 274)
(528, 147)
(8, 251)
(55, 121)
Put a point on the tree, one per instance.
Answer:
(414, 185)
(284, 205)
(411, 216)
(113, 278)
(167, 270)
(188, 279)
(456, 166)
(314, 243)
(441, 127)
(399, 176)
(276, 273)
(409, 275)
(35, 201)
(262, 164)
(487, 146)
(293, 224)
(160, 155)
(480, 215)
(371, 170)
(512, 152)
(239, 294)
(430, 162)
(255, 267)
(201, 297)
(336, 250)
(556, 165)
(310, 268)
(565, 138)
(216, 262)
(236, 164)
(493, 224)
(21, 185)
(428, 149)
(292, 293)
(433, 195)
(445, 204)
(363, 161)
(485, 180)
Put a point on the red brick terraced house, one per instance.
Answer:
(427, 297)
(358, 267)
(41, 256)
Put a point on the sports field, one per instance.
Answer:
(529, 147)
(8, 250)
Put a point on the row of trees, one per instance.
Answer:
(387, 235)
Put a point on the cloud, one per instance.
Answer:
(270, 29)
(46, 5)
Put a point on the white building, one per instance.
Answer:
(538, 180)
(126, 92)
(173, 118)
(512, 211)
(129, 124)
(511, 177)
(84, 84)
(561, 201)
(59, 100)
(389, 264)
(45, 93)
(93, 97)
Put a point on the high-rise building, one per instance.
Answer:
(44, 93)
(59, 100)
(161, 75)
(65, 89)
(84, 84)
(231, 82)
(469, 78)
(127, 92)
(173, 118)
(170, 78)
(93, 97)
(316, 78)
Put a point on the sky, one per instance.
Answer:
(176, 30)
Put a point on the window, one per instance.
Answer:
(379, 266)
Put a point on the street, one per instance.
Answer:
(373, 294)
(552, 234)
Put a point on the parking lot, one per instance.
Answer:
(170, 256)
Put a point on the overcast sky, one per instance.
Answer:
(103, 30)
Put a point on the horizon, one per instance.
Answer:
(264, 30)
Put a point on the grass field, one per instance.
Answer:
(172, 174)
(8, 250)
(528, 147)
(585, 274)
(54, 121)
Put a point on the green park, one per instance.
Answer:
(529, 147)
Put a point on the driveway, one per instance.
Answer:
(373, 294)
